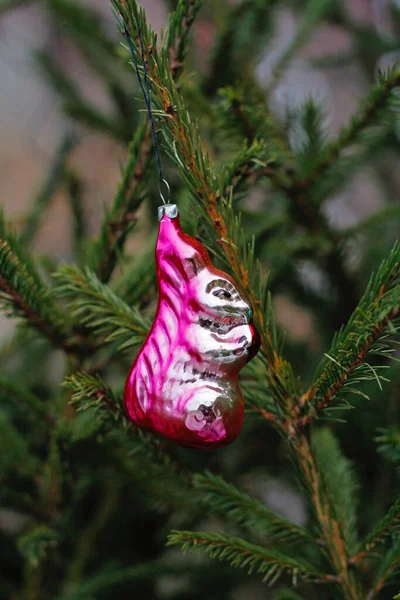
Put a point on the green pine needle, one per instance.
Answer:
(387, 527)
(98, 308)
(235, 505)
(52, 181)
(24, 295)
(241, 554)
(389, 444)
(367, 333)
(388, 570)
(90, 392)
(340, 485)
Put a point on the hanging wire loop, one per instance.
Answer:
(144, 85)
(168, 194)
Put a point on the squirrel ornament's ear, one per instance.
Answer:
(173, 245)
(183, 383)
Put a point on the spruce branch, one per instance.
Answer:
(186, 149)
(84, 25)
(74, 105)
(380, 534)
(97, 307)
(321, 167)
(225, 62)
(19, 392)
(112, 574)
(90, 392)
(288, 594)
(241, 554)
(179, 26)
(169, 480)
(226, 500)
(15, 455)
(48, 188)
(365, 334)
(389, 443)
(385, 215)
(120, 217)
(325, 513)
(138, 278)
(74, 186)
(387, 572)
(22, 294)
(313, 13)
(341, 486)
(87, 538)
(378, 100)
(119, 220)
(257, 162)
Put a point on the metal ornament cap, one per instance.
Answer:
(184, 382)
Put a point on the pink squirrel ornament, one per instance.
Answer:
(184, 382)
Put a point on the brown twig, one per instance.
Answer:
(249, 132)
(245, 171)
(302, 421)
(330, 528)
(127, 200)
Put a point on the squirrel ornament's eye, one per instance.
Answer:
(222, 294)
(184, 382)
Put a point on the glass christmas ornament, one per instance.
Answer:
(184, 382)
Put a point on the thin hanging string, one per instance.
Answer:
(147, 100)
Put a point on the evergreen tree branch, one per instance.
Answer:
(179, 27)
(322, 166)
(380, 533)
(313, 13)
(91, 393)
(22, 502)
(387, 571)
(112, 575)
(23, 295)
(96, 307)
(370, 324)
(74, 105)
(234, 504)
(74, 188)
(340, 484)
(84, 24)
(389, 443)
(378, 100)
(84, 547)
(120, 218)
(15, 455)
(254, 163)
(186, 148)
(137, 452)
(138, 279)
(17, 391)
(324, 511)
(48, 188)
(241, 554)
(225, 63)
